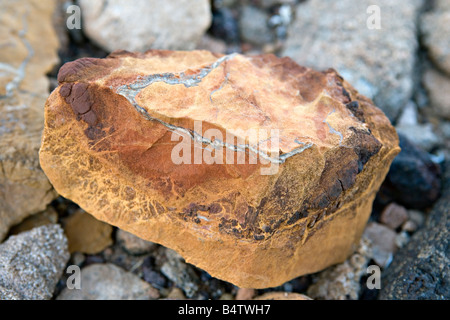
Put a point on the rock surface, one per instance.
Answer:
(297, 203)
(435, 26)
(413, 179)
(26, 56)
(383, 243)
(133, 244)
(49, 216)
(378, 62)
(438, 88)
(421, 270)
(180, 273)
(422, 135)
(394, 216)
(109, 282)
(145, 24)
(254, 27)
(87, 234)
(245, 294)
(32, 262)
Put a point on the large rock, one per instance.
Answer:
(145, 24)
(26, 56)
(119, 136)
(435, 26)
(421, 270)
(378, 62)
(32, 262)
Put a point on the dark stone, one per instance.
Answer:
(155, 278)
(413, 179)
(354, 108)
(421, 270)
(224, 25)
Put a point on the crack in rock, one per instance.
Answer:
(130, 91)
(334, 131)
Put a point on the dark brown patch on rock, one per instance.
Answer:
(65, 90)
(365, 146)
(90, 117)
(86, 69)
(356, 110)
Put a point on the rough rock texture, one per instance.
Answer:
(109, 282)
(145, 24)
(180, 273)
(435, 26)
(378, 62)
(342, 282)
(421, 270)
(32, 262)
(25, 58)
(298, 204)
(87, 234)
(438, 88)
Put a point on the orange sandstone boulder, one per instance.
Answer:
(253, 168)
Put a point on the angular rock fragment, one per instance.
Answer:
(86, 234)
(253, 168)
(32, 262)
(133, 244)
(421, 269)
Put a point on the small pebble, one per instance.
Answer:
(383, 243)
(394, 216)
(133, 244)
(176, 294)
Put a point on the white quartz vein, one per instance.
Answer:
(130, 91)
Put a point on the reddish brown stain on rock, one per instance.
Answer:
(114, 118)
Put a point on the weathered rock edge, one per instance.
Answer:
(421, 269)
(107, 146)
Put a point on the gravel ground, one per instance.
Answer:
(414, 184)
